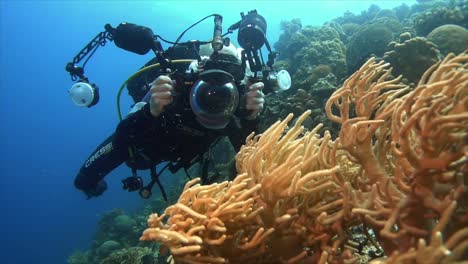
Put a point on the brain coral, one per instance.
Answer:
(449, 38)
(371, 39)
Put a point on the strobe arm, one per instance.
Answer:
(127, 36)
(99, 40)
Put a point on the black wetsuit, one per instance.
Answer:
(169, 137)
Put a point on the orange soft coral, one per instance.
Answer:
(399, 167)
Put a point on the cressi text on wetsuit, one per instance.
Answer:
(169, 137)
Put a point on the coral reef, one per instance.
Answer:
(117, 231)
(307, 76)
(402, 12)
(365, 182)
(409, 52)
(319, 53)
(108, 247)
(119, 227)
(78, 257)
(124, 224)
(290, 41)
(362, 18)
(132, 255)
(316, 58)
(350, 28)
(427, 21)
(278, 106)
(449, 38)
(398, 168)
(306, 48)
(386, 13)
(371, 39)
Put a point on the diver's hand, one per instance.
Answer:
(161, 94)
(254, 100)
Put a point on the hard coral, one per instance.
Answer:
(427, 21)
(290, 40)
(328, 52)
(133, 255)
(305, 77)
(371, 39)
(449, 38)
(311, 94)
(312, 46)
(412, 57)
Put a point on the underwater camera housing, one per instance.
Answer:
(212, 93)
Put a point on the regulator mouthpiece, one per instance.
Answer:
(84, 94)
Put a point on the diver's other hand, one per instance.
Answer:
(254, 100)
(161, 94)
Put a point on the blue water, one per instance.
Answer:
(44, 138)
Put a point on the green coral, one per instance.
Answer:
(133, 255)
(78, 257)
(124, 224)
(324, 33)
(388, 13)
(350, 28)
(324, 87)
(291, 26)
(412, 57)
(116, 230)
(279, 105)
(305, 77)
(108, 247)
(425, 22)
(449, 38)
(291, 44)
(367, 15)
(371, 39)
(326, 52)
(289, 38)
(402, 12)
(302, 50)
(425, 5)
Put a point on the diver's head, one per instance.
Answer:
(227, 59)
(230, 52)
(215, 96)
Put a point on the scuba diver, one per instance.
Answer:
(186, 99)
(157, 135)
